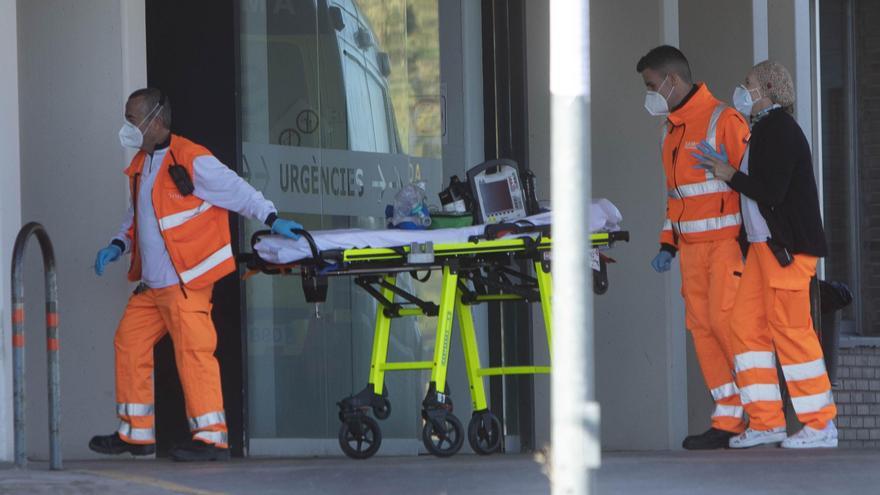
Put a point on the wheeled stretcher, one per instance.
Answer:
(477, 264)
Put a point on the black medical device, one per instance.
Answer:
(499, 194)
(457, 197)
(782, 254)
(180, 177)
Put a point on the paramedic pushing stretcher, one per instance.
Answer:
(702, 225)
(177, 231)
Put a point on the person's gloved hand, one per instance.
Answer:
(662, 262)
(286, 228)
(707, 150)
(716, 162)
(109, 254)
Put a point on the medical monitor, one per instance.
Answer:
(498, 192)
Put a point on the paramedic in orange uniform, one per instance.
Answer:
(771, 318)
(177, 231)
(702, 225)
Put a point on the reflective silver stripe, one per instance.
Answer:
(667, 225)
(215, 259)
(712, 132)
(133, 409)
(206, 420)
(216, 437)
(664, 129)
(177, 219)
(804, 371)
(754, 359)
(760, 392)
(698, 189)
(724, 391)
(812, 403)
(137, 434)
(727, 411)
(708, 224)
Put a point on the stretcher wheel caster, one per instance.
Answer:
(484, 433)
(360, 437)
(444, 436)
(384, 410)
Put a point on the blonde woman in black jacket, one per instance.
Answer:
(771, 316)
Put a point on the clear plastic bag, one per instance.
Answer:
(410, 209)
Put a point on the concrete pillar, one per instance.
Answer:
(10, 212)
(77, 64)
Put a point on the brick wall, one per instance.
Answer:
(857, 393)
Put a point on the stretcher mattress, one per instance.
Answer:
(605, 217)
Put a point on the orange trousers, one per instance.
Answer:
(710, 276)
(148, 316)
(772, 313)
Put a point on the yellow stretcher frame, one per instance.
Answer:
(475, 372)
(441, 426)
(451, 297)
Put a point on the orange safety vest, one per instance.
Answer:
(196, 233)
(699, 207)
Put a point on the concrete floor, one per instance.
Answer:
(754, 472)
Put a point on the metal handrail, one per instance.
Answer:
(52, 345)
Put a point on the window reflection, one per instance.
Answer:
(340, 74)
(347, 93)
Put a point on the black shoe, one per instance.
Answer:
(112, 444)
(197, 450)
(712, 438)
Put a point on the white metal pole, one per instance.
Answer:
(575, 430)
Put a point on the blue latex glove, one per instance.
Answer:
(708, 152)
(662, 262)
(286, 228)
(109, 254)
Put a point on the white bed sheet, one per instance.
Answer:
(280, 250)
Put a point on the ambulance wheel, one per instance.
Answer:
(360, 438)
(446, 441)
(384, 410)
(484, 433)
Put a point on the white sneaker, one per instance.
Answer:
(811, 438)
(753, 438)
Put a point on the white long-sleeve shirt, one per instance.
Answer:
(214, 182)
(756, 227)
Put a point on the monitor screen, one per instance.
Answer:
(496, 197)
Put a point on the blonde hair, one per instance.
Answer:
(775, 83)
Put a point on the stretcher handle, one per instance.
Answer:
(316, 255)
(313, 246)
(619, 235)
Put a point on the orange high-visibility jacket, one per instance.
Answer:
(699, 207)
(196, 233)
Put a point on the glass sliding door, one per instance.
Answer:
(340, 107)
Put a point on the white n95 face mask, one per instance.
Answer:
(742, 100)
(655, 103)
(130, 135)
